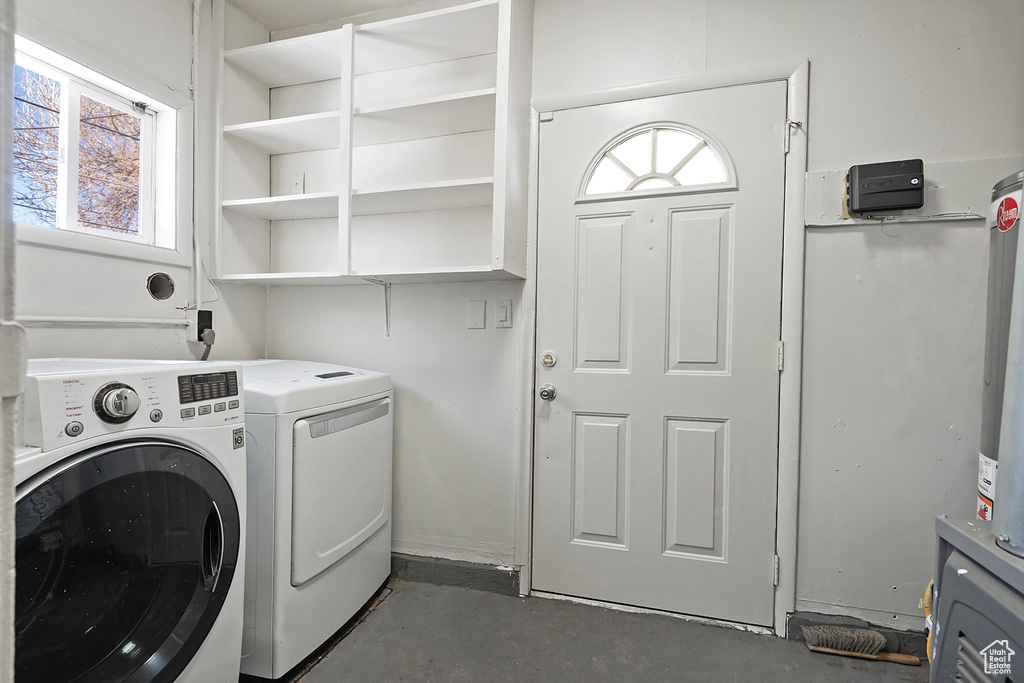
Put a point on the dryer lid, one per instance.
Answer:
(275, 387)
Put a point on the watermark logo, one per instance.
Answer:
(997, 658)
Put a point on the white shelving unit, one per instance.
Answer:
(292, 133)
(306, 59)
(288, 207)
(394, 150)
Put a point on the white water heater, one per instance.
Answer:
(1004, 221)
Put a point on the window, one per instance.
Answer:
(88, 152)
(657, 158)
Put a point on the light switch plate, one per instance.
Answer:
(503, 313)
(476, 311)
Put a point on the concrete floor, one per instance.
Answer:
(424, 632)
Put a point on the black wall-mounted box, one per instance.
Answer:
(886, 186)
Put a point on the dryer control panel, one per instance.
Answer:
(71, 401)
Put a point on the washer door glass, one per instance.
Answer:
(124, 557)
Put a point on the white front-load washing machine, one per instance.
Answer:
(319, 514)
(130, 523)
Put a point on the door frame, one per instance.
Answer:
(797, 78)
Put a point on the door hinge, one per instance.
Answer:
(775, 572)
(782, 356)
(546, 116)
(790, 125)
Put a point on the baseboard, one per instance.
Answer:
(907, 642)
(444, 572)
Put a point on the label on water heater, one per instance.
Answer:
(987, 468)
(1005, 211)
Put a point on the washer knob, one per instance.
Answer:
(117, 403)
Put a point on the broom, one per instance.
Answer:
(853, 642)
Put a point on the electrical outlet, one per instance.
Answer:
(204, 321)
(192, 330)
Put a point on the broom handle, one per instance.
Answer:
(896, 657)
(899, 658)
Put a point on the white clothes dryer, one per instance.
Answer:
(130, 525)
(319, 514)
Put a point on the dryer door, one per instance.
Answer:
(341, 484)
(124, 557)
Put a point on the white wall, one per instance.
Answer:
(894, 326)
(456, 397)
(146, 44)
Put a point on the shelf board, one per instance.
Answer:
(441, 35)
(305, 59)
(287, 207)
(471, 274)
(292, 134)
(296, 278)
(462, 274)
(455, 194)
(425, 117)
(412, 106)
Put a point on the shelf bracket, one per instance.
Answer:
(387, 303)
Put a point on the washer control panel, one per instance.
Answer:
(116, 402)
(212, 385)
(63, 404)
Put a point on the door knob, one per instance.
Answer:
(548, 392)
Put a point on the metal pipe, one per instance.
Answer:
(82, 321)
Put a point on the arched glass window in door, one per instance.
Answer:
(658, 159)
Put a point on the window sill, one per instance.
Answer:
(97, 245)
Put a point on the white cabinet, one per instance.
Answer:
(393, 150)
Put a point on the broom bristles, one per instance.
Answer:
(862, 640)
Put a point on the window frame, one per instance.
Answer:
(166, 163)
(730, 183)
(78, 88)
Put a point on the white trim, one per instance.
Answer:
(748, 75)
(216, 138)
(736, 626)
(523, 516)
(798, 78)
(793, 243)
(102, 245)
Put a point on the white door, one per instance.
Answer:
(659, 301)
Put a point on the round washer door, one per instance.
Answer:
(124, 555)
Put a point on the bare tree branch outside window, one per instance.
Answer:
(36, 147)
(108, 167)
(109, 158)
